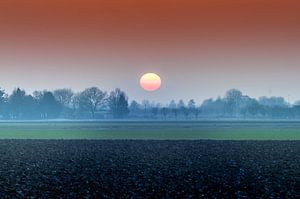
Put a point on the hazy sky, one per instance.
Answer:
(200, 48)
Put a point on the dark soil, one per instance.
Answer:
(149, 169)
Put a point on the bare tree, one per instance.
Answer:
(192, 107)
(146, 107)
(173, 108)
(135, 109)
(164, 112)
(118, 103)
(3, 101)
(183, 109)
(232, 99)
(91, 99)
(64, 96)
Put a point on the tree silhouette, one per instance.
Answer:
(118, 103)
(3, 103)
(232, 99)
(64, 97)
(16, 103)
(91, 99)
(192, 107)
(49, 107)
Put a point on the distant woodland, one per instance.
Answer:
(93, 103)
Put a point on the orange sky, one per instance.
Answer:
(148, 24)
(56, 35)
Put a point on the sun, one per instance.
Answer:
(150, 82)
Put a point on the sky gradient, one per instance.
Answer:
(200, 48)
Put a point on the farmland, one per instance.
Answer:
(149, 159)
(149, 169)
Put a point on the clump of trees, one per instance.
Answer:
(234, 105)
(93, 103)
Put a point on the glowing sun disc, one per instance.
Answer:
(150, 82)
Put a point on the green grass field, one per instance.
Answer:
(151, 130)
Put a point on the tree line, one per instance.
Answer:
(234, 105)
(93, 103)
